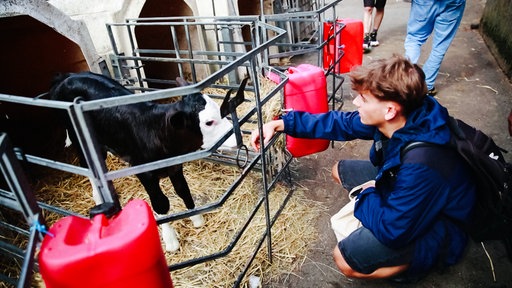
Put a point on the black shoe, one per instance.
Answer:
(432, 92)
(366, 43)
(373, 39)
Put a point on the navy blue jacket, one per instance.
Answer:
(420, 202)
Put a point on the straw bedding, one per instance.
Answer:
(291, 235)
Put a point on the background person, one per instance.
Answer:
(441, 18)
(371, 25)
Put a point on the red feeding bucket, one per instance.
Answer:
(123, 251)
(306, 90)
(349, 41)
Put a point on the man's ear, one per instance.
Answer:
(392, 110)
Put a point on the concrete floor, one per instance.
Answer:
(473, 88)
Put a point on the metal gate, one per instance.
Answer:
(228, 60)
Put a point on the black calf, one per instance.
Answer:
(141, 132)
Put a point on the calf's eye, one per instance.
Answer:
(210, 123)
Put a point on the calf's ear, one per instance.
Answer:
(181, 82)
(178, 120)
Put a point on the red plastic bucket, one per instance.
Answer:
(306, 90)
(123, 251)
(348, 44)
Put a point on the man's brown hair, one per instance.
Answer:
(393, 79)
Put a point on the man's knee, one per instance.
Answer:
(335, 173)
(341, 263)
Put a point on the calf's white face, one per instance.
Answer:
(213, 127)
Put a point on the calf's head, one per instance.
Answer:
(212, 125)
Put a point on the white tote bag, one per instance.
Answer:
(344, 222)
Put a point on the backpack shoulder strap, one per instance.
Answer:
(455, 129)
(429, 154)
(418, 150)
(412, 145)
(457, 134)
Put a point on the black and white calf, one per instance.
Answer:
(144, 132)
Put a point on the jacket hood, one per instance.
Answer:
(428, 123)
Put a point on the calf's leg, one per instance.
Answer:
(160, 204)
(181, 186)
(170, 237)
(151, 183)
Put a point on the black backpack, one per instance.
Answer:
(493, 208)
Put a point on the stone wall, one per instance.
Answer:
(497, 32)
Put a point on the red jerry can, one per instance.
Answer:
(306, 90)
(123, 251)
(349, 41)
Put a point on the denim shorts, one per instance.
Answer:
(378, 4)
(355, 172)
(365, 254)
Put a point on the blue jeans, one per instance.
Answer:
(440, 17)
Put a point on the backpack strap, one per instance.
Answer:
(455, 129)
(429, 154)
(415, 144)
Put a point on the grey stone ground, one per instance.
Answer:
(473, 88)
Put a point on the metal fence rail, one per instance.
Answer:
(17, 196)
(227, 61)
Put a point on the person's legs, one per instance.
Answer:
(419, 27)
(367, 21)
(379, 15)
(361, 255)
(368, 6)
(445, 28)
(335, 174)
(381, 273)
